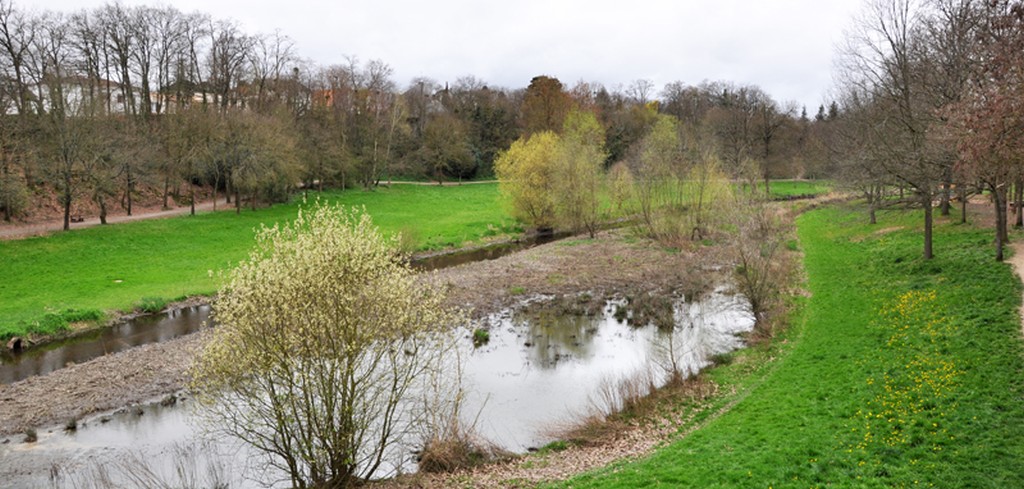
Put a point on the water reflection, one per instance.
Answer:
(538, 371)
(156, 328)
(139, 331)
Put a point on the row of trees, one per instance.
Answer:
(98, 104)
(931, 103)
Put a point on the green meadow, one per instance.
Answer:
(896, 372)
(83, 274)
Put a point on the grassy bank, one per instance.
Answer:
(899, 373)
(79, 275)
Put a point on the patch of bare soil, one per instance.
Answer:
(612, 263)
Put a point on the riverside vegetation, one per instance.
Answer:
(86, 274)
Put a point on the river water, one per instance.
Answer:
(535, 375)
(155, 328)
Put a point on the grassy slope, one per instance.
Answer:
(170, 258)
(904, 373)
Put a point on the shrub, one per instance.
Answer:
(152, 305)
(328, 350)
(481, 337)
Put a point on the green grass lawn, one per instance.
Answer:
(899, 372)
(114, 267)
(786, 188)
(793, 188)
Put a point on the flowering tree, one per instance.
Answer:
(325, 350)
(526, 175)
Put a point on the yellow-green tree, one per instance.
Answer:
(325, 348)
(707, 194)
(526, 178)
(657, 169)
(579, 172)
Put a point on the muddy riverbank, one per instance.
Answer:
(613, 263)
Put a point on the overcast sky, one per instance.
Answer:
(784, 46)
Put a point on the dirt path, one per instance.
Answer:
(1017, 262)
(20, 231)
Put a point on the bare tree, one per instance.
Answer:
(269, 60)
(229, 50)
(120, 46)
(640, 90)
(18, 32)
(883, 61)
(989, 133)
(771, 119)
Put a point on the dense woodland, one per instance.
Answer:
(99, 105)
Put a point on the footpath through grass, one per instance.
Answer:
(80, 275)
(900, 373)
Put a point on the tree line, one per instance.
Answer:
(931, 99)
(100, 103)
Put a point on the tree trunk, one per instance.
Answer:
(238, 202)
(103, 211)
(873, 196)
(67, 210)
(192, 199)
(999, 194)
(167, 186)
(926, 199)
(1018, 199)
(216, 188)
(944, 202)
(130, 183)
(7, 200)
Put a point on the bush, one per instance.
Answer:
(330, 390)
(481, 337)
(441, 455)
